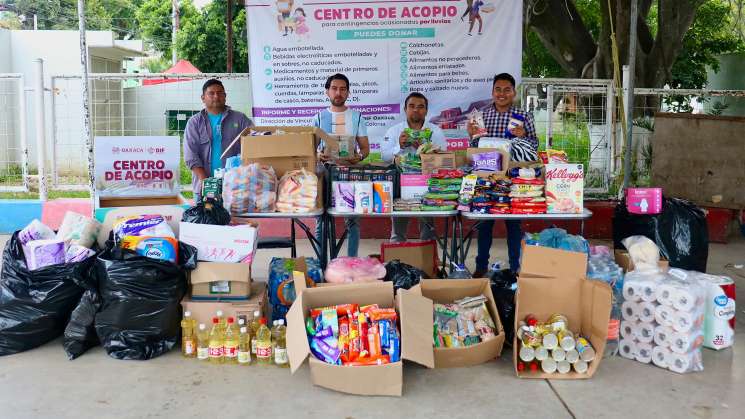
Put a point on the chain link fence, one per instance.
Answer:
(14, 168)
(128, 105)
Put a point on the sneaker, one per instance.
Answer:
(479, 273)
(469, 34)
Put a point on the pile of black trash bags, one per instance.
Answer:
(127, 303)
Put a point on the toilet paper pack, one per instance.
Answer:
(43, 253)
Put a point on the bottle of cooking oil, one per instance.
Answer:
(188, 336)
(232, 341)
(263, 344)
(203, 343)
(280, 345)
(244, 347)
(254, 328)
(217, 342)
(221, 320)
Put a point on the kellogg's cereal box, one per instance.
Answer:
(565, 184)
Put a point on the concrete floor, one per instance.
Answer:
(41, 383)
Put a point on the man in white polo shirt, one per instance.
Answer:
(398, 138)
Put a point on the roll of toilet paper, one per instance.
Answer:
(663, 315)
(684, 300)
(644, 332)
(665, 292)
(646, 311)
(681, 343)
(683, 363)
(683, 321)
(660, 355)
(663, 336)
(643, 352)
(627, 348)
(631, 291)
(648, 290)
(628, 328)
(629, 310)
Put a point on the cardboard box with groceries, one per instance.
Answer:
(505, 160)
(294, 149)
(203, 311)
(553, 281)
(378, 380)
(445, 291)
(434, 161)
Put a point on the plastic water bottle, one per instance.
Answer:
(603, 268)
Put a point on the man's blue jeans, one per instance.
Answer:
(514, 237)
(353, 237)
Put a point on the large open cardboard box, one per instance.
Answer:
(381, 380)
(294, 150)
(203, 311)
(435, 161)
(446, 291)
(505, 160)
(553, 281)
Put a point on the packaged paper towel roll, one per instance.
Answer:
(648, 291)
(685, 300)
(628, 328)
(660, 355)
(631, 291)
(646, 311)
(644, 332)
(35, 230)
(627, 348)
(78, 229)
(682, 343)
(665, 292)
(663, 315)
(663, 336)
(363, 197)
(43, 253)
(629, 310)
(643, 352)
(685, 322)
(683, 363)
(343, 196)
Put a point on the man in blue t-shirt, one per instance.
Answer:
(209, 134)
(339, 120)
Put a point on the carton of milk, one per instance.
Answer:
(565, 184)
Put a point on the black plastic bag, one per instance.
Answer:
(35, 305)
(80, 333)
(680, 231)
(402, 275)
(140, 301)
(502, 283)
(209, 213)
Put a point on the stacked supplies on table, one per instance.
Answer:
(444, 191)
(491, 195)
(527, 190)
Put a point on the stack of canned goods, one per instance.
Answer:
(552, 347)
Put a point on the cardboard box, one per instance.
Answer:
(382, 380)
(623, 259)
(565, 185)
(446, 291)
(553, 281)
(414, 186)
(434, 161)
(172, 214)
(505, 160)
(419, 254)
(459, 147)
(204, 311)
(229, 244)
(294, 150)
(215, 281)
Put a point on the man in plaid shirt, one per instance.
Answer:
(496, 120)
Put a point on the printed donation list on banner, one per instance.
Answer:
(449, 50)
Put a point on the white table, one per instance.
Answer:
(296, 218)
(351, 219)
(465, 240)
